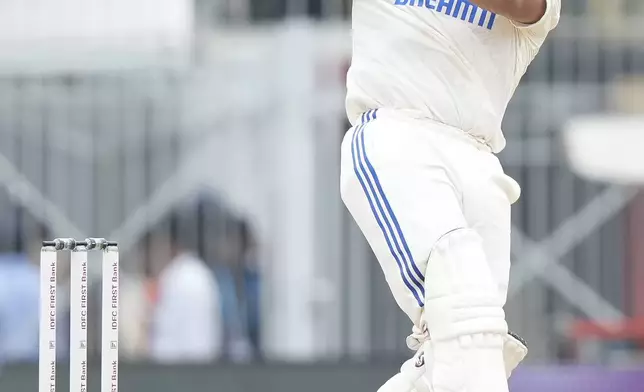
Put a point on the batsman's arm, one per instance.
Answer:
(521, 11)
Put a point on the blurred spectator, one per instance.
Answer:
(186, 325)
(239, 280)
(19, 295)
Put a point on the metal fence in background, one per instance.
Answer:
(255, 122)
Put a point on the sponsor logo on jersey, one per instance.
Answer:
(458, 9)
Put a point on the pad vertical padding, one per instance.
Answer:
(461, 296)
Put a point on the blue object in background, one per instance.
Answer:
(19, 299)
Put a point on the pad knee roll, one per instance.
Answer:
(461, 297)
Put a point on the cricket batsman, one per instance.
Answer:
(428, 87)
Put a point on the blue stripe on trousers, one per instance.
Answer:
(419, 275)
(418, 279)
(357, 151)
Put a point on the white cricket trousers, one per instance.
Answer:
(408, 181)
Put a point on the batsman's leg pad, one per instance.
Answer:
(465, 317)
(413, 376)
(415, 372)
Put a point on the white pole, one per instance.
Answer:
(78, 321)
(47, 349)
(110, 321)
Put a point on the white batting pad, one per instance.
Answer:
(606, 148)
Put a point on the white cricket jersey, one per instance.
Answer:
(455, 62)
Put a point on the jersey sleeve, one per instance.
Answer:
(538, 31)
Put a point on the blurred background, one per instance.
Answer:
(204, 135)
